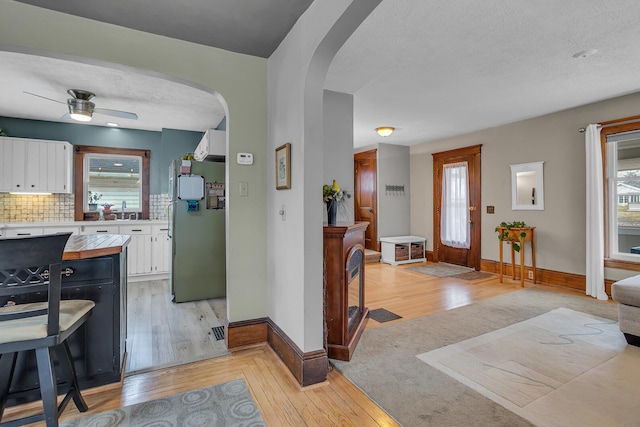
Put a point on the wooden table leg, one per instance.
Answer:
(500, 260)
(521, 263)
(513, 262)
(533, 257)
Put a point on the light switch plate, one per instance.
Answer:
(245, 158)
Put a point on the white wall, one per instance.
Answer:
(240, 81)
(554, 138)
(394, 209)
(296, 75)
(338, 148)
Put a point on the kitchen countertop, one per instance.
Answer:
(94, 245)
(80, 223)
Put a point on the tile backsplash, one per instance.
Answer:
(36, 207)
(60, 207)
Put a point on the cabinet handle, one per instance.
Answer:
(23, 234)
(102, 231)
(136, 229)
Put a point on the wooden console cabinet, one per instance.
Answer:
(344, 312)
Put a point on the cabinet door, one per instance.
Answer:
(36, 166)
(139, 255)
(59, 167)
(161, 252)
(12, 165)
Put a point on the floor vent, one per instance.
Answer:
(218, 332)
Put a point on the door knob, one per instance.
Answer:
(371, 210)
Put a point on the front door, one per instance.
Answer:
(456, 198)
(365, 195)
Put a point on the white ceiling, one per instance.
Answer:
(430, 68)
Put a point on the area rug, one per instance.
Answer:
(385, 359)
(472, 275)
(382, 315)
(540, 367)
(440, 269)
(227, 404)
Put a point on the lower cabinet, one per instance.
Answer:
(161, 249)
(98, 346)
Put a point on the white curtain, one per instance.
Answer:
(595, 215)
(454, 220)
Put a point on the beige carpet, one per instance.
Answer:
(385, 366)
(560, 368)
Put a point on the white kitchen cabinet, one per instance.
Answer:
(100, 229)
(62, 229)
(23, 232)
(139, 250)
(212, 146)
(35, 166)
(161, 249)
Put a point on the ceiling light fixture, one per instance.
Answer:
(385, 130)
(585, 53)
(112, 124)
(80, 109)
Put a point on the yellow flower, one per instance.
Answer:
(336, 187)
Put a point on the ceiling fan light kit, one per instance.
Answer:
(81, 108)
(385, 130)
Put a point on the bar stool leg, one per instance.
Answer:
(69, 372)
(7, 366)
(48, 386)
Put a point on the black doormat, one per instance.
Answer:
(381, 315)
(218, 332)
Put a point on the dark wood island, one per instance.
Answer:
(94, 267)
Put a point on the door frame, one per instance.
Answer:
(474, 197)
(373, 155)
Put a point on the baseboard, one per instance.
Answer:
(245, 332)
(546, 277)
(307, 368)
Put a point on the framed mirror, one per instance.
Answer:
(527, 186)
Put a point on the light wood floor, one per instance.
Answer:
(280, 400)
(161, 333)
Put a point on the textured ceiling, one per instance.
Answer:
(430, 68)
(434, 69)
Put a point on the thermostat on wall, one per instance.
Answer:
(245, 158)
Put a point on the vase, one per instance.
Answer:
(332, 213)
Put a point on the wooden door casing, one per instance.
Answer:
(366, 195)
(467, 257)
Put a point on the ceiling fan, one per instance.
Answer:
(81, 108)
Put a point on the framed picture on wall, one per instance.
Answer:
(283, 167)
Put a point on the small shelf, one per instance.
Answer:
(403, 249)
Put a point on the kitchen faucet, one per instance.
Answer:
(124, 206)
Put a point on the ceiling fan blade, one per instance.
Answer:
(44, 97)
(116, 113)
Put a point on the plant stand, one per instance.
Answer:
(515, 236)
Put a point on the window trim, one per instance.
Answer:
(80, 151)
(613, 129)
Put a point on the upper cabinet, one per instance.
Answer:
(35, 166)
(212, 147)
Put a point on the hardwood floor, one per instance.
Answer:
(280, 399)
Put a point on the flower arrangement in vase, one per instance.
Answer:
(333, 196)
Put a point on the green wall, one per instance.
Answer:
(164, 146)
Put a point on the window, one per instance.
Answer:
(115, 178)
(623, 192)
(116, 174)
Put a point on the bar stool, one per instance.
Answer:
(29, 265)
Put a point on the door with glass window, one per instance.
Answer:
(456, 201)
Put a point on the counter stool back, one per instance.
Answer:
(27, 266)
